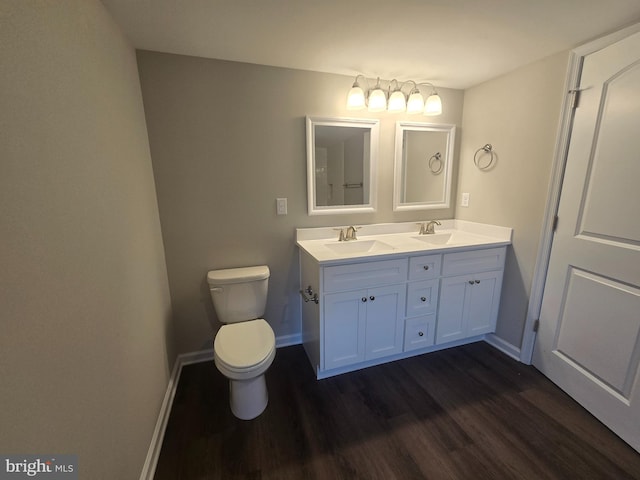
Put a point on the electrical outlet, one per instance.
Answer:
(281, 206)
(465, 200)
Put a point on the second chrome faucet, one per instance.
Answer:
(428, 228)
(348, 234)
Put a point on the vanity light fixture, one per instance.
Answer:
(397, 100)
(416, 102)
(356, 99)
(375, 99)
(433, 105)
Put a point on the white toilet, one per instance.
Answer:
(245, 345)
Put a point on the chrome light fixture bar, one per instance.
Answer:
(395, 100)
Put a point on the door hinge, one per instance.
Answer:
(575, 101)
(554, 225)
(536, 325)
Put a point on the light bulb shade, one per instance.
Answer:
(415, 103)
(433, 106)
(355, 99)
(397, 102)
(377, 100)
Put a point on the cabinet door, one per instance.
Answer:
(451, 321)
(384, 323)
(344, 328)
(484, 299)
(468, 306)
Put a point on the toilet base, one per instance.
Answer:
(248, 398)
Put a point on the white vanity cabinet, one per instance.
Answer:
(469, 302)
(363, 306)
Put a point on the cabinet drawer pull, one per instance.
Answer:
(372, 298)
(364, 299)
(426, 267)
(477, 281)
(420, 334)
(470, 282)
(424, 299)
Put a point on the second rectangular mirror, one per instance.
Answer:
(424, 155)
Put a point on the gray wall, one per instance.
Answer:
(518, 114)
(226, 140)
(84, 297)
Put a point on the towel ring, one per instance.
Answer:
(488, 148)
(436, 164)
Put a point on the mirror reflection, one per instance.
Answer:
(339, 156)
(341, 165)
(423, 165)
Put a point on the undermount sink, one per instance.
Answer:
(359, 246)
(451, 238)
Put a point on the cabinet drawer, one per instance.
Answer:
(361, 275)
(424, 267)
(422, 297)
(419, 332)
(474, 261)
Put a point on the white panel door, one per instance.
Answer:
(589, 336)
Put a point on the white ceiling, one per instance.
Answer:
(451, 43)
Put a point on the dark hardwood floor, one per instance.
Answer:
(464, 413)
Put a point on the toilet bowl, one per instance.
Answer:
(243, 352)
(244, 347)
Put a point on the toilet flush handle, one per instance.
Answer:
(216, 289)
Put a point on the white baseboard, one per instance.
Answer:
(288, 340)
(196, 357)
(502, 345)
(149, 468)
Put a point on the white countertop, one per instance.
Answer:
(388, 240)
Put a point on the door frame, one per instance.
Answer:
(572, 81)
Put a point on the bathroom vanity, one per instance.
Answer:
(393, 293)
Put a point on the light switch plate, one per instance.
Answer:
(464, 202)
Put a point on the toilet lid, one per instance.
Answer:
(244, 344)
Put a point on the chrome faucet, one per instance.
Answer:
(348, 234)
(351, 233)
(427, 228)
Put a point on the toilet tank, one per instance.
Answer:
(239, 294)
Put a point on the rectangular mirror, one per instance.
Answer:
(423, 166)
(342, 155)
